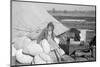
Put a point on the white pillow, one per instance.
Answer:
(21, 42)
(33, 49)
(22, 58)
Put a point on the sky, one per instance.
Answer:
(66, 7)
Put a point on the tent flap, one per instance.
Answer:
(32, 18)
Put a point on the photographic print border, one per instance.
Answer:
(46, 3)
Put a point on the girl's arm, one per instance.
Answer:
(57, 40)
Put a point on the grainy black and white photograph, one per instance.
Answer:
(52, 33)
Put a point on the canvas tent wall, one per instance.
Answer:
(30, 19)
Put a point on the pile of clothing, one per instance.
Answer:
(27, 51)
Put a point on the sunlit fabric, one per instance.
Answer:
(29, 18)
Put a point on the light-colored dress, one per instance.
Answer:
(52, 48)
(42, 58)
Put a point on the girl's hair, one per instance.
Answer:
(44, 33)
(50, 24)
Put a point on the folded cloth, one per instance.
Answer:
(46, 57)
(33, 49)
(39, 60)
(60, 51)
(13, 50)
(22, 58)
(21, 42)
(67, 58)
(80, 59)
(53, 56)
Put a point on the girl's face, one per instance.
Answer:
(49, 33)
(50, 29)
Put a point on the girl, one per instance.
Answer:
(50, 43)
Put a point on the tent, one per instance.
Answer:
(29, 19)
